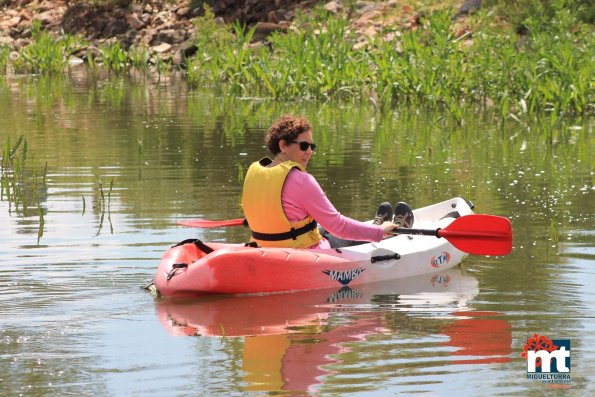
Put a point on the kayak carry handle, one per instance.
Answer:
(379, 258)
(174, 269)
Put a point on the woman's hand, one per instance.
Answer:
(388, 227)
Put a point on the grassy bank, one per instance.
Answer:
(548, 69)
(535, 60)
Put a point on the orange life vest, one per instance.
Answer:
(261, 200)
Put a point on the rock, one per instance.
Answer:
(184, 12)
(128, 40)
(170, 36)
(264, 29)
(11, 23)
(74, 61)
(333, 7)
(361, 43)
(363, 7)
(370, 31)
(115, 27)
(26, 14)
(91, 51)
(21, 42)
(6, 41)
(467, 8)
(161, 48)
(47, 17)
(45, 6)
(135, 22)
(136, 8)
(187, 50)
(272, 17)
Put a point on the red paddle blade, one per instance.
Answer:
(205, 223)
(480, 234)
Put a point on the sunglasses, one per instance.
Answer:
(305, 145)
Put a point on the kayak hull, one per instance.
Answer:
(190, 269)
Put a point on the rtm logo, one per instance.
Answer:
(541, 352)
(440, 260)
(440, 280)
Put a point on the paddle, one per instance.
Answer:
(204, 223)
(476, 234)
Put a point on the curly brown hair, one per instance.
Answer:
(286, 128)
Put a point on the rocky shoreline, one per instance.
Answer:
(167, 28)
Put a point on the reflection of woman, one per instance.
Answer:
(283, 203)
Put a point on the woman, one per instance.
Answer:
(283, 203)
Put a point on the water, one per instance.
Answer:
(74, 253)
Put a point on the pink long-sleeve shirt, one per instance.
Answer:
(302, 195)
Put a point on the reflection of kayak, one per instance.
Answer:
(289, 342)
(479, 334)
(195, 268)
(229, 315)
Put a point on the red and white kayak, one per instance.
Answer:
(194, 268)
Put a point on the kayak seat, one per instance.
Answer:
(337, 242)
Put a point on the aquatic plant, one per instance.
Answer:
(4, 54)
(103, 203)
(214, 42)
(139, 57)
(115, 58)
(45, 54)
(20, 183)
(317, 60)
(161, 67)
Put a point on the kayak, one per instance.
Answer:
(193, 268)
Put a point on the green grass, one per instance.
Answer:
(115, 58)
(548, 69)
(45, 54)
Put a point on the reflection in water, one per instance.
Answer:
(293, 341)
(480, 337)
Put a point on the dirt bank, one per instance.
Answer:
(167, 27)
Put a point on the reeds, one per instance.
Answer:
(549, 71)
(115, 58)
(46, 54)
(103, 204)
(20, 182)
(4, 54)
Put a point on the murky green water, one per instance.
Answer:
(74, 320)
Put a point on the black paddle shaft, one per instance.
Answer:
(422, 232)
